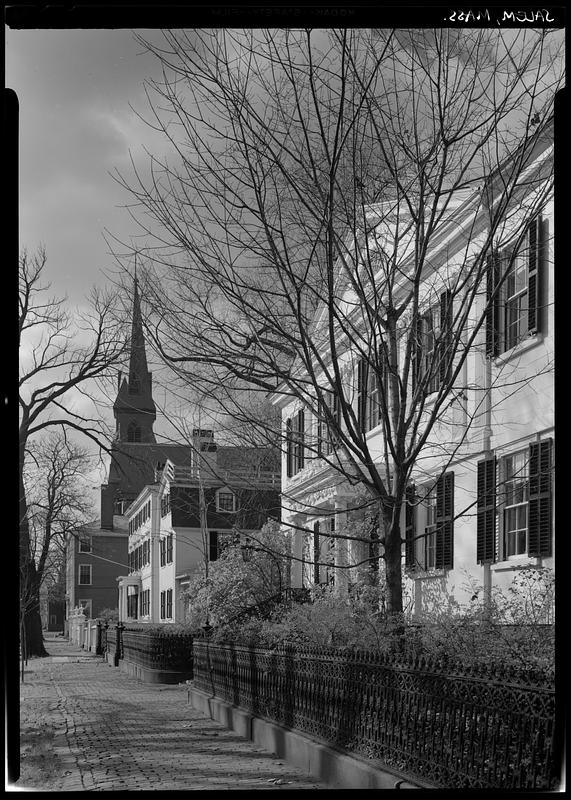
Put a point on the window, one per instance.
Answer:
(514, 291)
(430, 530)
(368, 395)
(225, 500)
(328, 424)
(134, 432)
(514, 504)
(429, 526)
(165, 504)
(166, 604)
(145, 602)
(84, 544)
(85, 574)
(168, 549)
(432, 356)
(132, 602)
(316, 552)
(330, 568)
(295, 443)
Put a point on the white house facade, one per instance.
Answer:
(480, 500)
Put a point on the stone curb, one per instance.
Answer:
(338, 770)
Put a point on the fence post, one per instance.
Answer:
(119, 646)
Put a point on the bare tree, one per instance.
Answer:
(292, 232)
(60, 357)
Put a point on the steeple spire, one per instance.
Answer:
(134, 408)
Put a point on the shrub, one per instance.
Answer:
(109, 615)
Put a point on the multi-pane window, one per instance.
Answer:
(516, 301)
(84, 544)
(165, 504)
(145, 602)
(429, 527)
(516, 497)
(330, 569)
(140, 556)
(140, 517)
(430, 530)
(225, 500)
(328, 420)
(166, 550)
(85, 574)
(433, 345)
(514, 291)
(368, 395)
(515, 504)
(166, 604)
(295, 443)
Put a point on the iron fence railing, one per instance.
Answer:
(159, 650)
(448, 724)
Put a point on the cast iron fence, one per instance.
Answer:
(114, 642)
(160, 650)
(452, 725)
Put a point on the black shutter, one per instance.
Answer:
(410, 528)
(445, 343)
(486, 511)
(540, 498)
(417, 352)
(289, 448)
(492, 307)
(300, 436)
(362, 375)
(316, 552)
(537, 237)
(213, 545)
(445, 521)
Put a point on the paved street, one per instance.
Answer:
(114, 733)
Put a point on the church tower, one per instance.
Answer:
(134, 409)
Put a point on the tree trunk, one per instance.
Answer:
(29, 580)
(393, 565)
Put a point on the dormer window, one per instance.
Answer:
(225, 500)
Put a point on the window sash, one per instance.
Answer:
(226, 501)
(84, 571)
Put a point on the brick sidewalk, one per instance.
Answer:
(114, 733)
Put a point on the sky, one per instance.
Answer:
(76, 127)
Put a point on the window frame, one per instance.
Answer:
(85, 583)
(228, 492)
(510, 485)
(83, 538)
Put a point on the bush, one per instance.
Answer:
(109, 615)
(514, 630)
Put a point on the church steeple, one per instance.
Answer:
(134, 408)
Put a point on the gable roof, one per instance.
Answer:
(133, 464)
